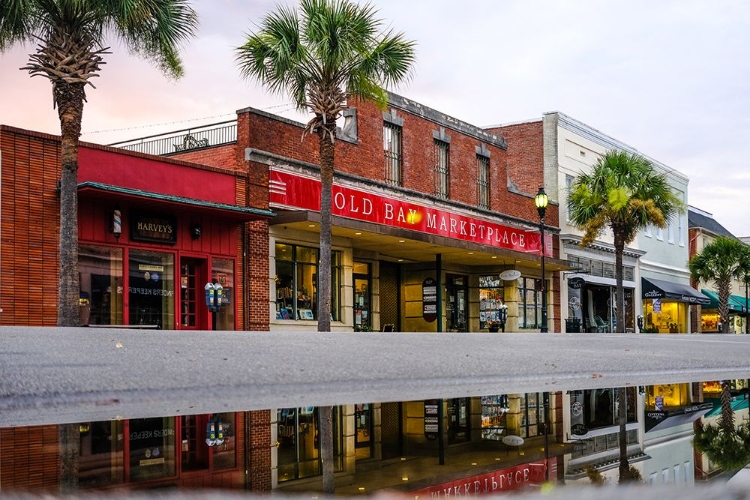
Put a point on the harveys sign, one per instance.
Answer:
(299, 192)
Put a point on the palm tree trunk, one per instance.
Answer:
(326, 447)
(69, 99)
(326, 148)
(622, 407)
(724, 286)
(619, 289)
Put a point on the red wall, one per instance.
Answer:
(136, 171)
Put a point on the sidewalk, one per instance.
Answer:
(411, 473)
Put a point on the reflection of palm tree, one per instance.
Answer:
(725, 445)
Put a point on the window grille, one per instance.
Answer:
(442, 170)
(393, 154)
(483, 178)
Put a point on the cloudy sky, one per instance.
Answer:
(669, 78)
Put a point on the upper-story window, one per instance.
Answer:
(442, 169)
(659, 234)
(569, 179)
(393, 153)
(670, 231)
(679, 230)
(647, 231)
(483, 181)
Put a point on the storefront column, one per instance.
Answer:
(439, 273)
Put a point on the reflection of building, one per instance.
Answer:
(669, 413)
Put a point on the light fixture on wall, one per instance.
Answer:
(197, 230)
(116, 228)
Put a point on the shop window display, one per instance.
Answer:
(663, 397)
(299, 442)
(493, 312)
(662, 316)
(297, 283)
(494, 417)
(597, 408)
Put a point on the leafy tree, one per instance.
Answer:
(69, 36)
(625, 194)
(720, 262)
(323, 56)
(725, 444)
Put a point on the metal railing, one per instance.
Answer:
(179, 141)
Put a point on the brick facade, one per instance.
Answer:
(29, 240)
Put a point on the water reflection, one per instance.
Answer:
(437, 447)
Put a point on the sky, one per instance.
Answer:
(668, 78)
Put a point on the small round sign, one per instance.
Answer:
(576, 283)
(513, 440)
(510, 275)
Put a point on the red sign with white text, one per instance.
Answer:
(487, 484)
(299, 192)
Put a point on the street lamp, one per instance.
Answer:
(541, 200)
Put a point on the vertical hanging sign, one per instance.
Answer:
(431, 422)
(429, 300)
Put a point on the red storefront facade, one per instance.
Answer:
(152, 233)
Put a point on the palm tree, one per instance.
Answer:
(625, 194)
(720, 262)
(329, 53)
(725, 445)
(69, 36)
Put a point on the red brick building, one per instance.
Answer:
(152, 233)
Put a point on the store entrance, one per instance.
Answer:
(191, 299)
(457, 303)
(151, 289)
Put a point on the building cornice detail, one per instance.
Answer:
(571, 241)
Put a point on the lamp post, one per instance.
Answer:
(541, 200)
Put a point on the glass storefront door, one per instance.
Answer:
(192, 302)
(151, 291)
(363, 435)
(362, 313)
(456, 303)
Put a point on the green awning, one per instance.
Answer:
(736, 303)
(739, 300)
(737, 404)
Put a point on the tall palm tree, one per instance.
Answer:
(625, 194)
(322, 56)
(70, 49)
(720, 262)
(726, 445)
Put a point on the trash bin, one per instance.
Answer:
(573, 325)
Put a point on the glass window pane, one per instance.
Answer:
(225, 453)
(151, 291)
(101, 460)
(222, 271)
(152, 451)
(101, 285)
